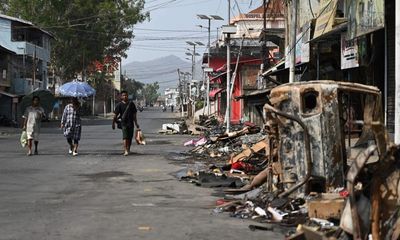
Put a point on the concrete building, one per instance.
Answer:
(171, 96)
(24, 60)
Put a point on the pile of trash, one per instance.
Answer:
(178, 127)
(322, 166)
(239, 164)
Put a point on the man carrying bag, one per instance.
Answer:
(126, 111)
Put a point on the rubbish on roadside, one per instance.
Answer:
(322, 161)
(260, 211)
(263, 228)
(174, 128)
(246, 153)
(144, 228)
(196, 142)
(326, 209)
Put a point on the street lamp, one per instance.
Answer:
(209, 18)
(193, 54)
(228, 30)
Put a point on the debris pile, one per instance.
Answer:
(179, 127)
(321, 167)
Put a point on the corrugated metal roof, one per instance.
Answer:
(8, 94)
(14, 19)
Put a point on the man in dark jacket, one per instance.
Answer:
(125, 111)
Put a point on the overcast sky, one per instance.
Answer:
(173, 22)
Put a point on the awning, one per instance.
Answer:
(255, 93)
(280, 65)
(335, 32)
(214, 92)
(216, 77)
(6, 50)
(8, 94)
(233, 62)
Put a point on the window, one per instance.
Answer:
(310, 103)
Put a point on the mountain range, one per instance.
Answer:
(162, 70)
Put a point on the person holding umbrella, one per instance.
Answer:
(32, 119)
(126, 111)
(71, 125)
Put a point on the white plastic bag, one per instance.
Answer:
(24, 139)
(139, 137)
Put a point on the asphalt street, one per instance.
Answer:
(101, 194)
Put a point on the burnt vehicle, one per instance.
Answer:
(327, 135)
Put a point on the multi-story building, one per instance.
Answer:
(24, 61)
(245, 67)
(171, 96)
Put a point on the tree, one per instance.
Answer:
(84, 31)
(133, 87)
(150, 92)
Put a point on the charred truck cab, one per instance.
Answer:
(320, 129)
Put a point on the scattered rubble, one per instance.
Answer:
(322, 165)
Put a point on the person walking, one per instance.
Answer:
(33, 116)
(126, 112)
(71, 125)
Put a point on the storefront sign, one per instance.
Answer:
(249, 76)
(364, 17)
(326, 17)
(349, 53)
(302, 46)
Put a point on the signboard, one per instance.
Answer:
(364, 17)
(302, 46)
(326, 17)
(249, 75)
(349, 53)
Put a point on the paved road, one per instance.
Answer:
(102, 195)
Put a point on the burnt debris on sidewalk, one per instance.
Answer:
(322, 166)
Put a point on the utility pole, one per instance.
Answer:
(34, 70)
(264, 65)
(292, 46)
(208, 64)
(228, 73)
(209, 18)
(397, 77)
(180, 91)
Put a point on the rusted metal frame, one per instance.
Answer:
(352, 174)
(380, 174)
(357, 88)
(376, 209)
(349, 120)
(307, 146)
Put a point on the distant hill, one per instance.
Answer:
(162, 70)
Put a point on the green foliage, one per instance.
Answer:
(83, 30)
(133, 87)
(103, 85)
(199, 105)
(150, 93)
